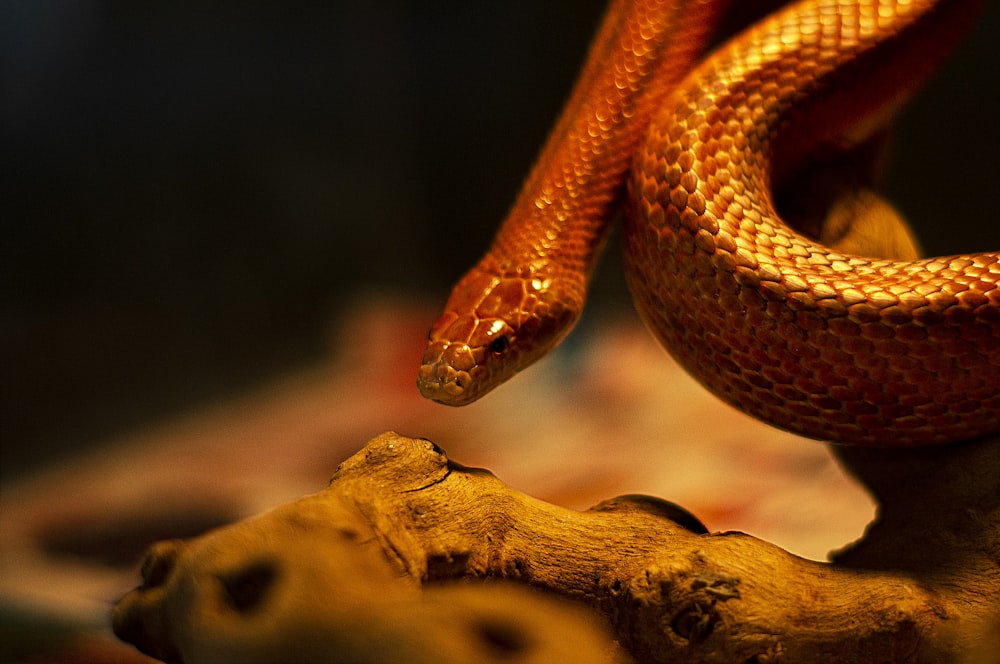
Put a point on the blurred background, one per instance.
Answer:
(192, 193)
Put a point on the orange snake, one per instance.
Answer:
(826, 344)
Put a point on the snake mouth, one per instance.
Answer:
(444, 384)
(453, 373)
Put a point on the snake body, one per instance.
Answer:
(820, 342)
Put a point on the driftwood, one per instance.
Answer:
(365, 571)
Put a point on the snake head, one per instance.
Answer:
(493, 326)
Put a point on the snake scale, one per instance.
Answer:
(804, 335)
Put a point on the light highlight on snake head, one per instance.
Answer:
(480, 341)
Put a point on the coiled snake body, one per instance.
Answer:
(807, 337)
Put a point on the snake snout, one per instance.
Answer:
(441, 383)
(443, 375)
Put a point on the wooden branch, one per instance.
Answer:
(399, 515)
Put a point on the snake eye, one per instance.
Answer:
(499, 346)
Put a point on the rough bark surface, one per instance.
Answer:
(366, 568)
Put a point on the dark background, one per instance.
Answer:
(193, 192)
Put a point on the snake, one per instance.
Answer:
(692, 147)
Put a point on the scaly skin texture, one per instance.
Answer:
(829, 345)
